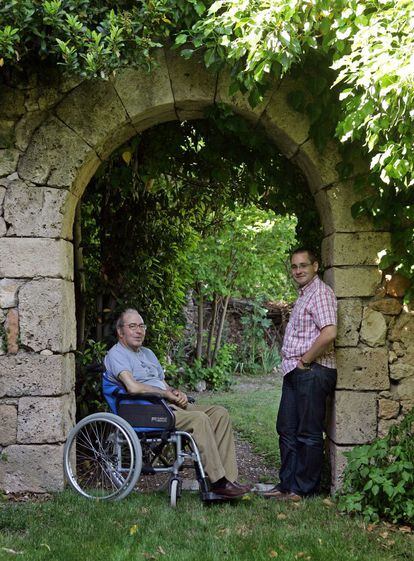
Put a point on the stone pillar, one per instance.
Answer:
(365, 405)
(37, 330)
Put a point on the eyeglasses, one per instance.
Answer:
(135, 326)
(300, 266)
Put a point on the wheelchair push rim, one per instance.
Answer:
(102, 457)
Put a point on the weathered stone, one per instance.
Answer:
(384, 426)
(26, 126)
(35, 469)
(358, 248)
(407, 405)
(46, 352)
(30, 257)
(30, 374)
(334, 206)
(349, 322)
(240, 104)
(398, 285)
(193, 86)
(362, 368)
(45, 420)
(8, 161)
(387, 306)
(399, 351)
(338, 464)
(57, 156)
(8, 425)
(388, 409)
(2, 193)
(47, 315)
(400, 370)
(107, 126)
(34, 211)
(3, 227)
(355, 418)
(373, 328)
(8, 292)
(12, 331)
(351, 282)
(392, 357)
(11, 102)
(147, 97)
(319, 169)
(405, 388)
(403, 330)
(288, 128)
(6, 133)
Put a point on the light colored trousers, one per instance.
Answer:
(211, 428)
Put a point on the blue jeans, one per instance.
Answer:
(300, 425)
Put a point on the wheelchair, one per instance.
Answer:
(106, 453)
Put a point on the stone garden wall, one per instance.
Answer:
(54, 133)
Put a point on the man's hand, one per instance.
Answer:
(183, 399)
(176, 397)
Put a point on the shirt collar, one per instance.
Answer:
(310, 286)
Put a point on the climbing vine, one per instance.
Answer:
(356, 59)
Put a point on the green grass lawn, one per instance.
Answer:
(253, 412)
(143, 526)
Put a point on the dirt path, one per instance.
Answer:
(252, 468)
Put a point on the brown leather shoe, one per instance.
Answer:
(229, 491)
(292, 497)
(245, 486)
(275, 493)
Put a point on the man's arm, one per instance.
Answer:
(133, 387)
(321, 343)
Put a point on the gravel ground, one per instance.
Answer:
(252, 469)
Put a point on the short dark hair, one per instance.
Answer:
(120, 321)
(312, 254)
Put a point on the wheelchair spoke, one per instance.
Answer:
(103, 457)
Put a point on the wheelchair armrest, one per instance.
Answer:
(146, 410)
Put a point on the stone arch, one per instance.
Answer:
(62, 136)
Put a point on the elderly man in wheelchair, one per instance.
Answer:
(104, 453)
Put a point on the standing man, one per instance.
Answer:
(309, 369)
(137, 368)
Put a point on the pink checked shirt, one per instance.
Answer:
(314, 309)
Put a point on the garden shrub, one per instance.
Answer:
(379, 478)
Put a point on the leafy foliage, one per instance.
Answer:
(88, 379)
(355, 58)
(158, 198)
(216, 377)
(379, 478)
(255, 356)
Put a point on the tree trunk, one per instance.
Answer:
(79, 273)
(99, 317)
(200, 321)
(220, 330)
(212, 328)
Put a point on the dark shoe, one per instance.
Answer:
(275, 493)
(246, 487)
(292, 497)
(229, 490)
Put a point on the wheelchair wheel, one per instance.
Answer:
(102, 457)
(175, 492)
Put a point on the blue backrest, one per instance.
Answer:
(111, 390)
(145, 414)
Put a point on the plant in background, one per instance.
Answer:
(379, 477)
(88, 379)
(255, 357)
(216, 377)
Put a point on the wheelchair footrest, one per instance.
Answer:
(211, 497)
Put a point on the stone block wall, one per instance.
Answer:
(375, 356)
(54, 133)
